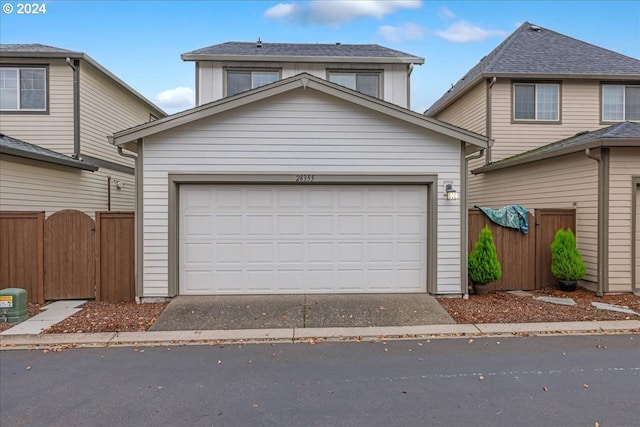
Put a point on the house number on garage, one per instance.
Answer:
(305, 179)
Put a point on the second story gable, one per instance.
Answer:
(539, 86)
(226, 69)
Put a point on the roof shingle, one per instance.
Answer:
(534, 50)
(306, 50)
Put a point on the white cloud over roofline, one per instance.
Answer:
(337, 11)
(465, 32)
(177, 99)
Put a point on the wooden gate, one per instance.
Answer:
(69, 256)
(548, 221)
(516, 252)
(525, 258)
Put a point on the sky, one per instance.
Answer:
(141, 41)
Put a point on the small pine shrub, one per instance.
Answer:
(566, 262)
(483, 264)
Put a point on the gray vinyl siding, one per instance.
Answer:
(303, 131)
(567, 182)
(469, 112)
(52, 130)
(211, 77)
(105, 108)
(27, 185)
(624, 164)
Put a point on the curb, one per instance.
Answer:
(209, 337)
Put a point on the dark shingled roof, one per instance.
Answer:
(33, 48)
(619, 131)
(306, 50)
(18, 148)
(534, 50)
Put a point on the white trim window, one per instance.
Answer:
(23, 89)
(620, 103)
(366, 82)
(243, 80)
(536, 102)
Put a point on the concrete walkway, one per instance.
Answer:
(52, 313)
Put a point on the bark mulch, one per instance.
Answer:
(503, 307)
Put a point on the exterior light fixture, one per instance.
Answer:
(450, 192)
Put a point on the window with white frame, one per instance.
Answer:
(620, 103)
(367, 82)
(536, 101)
(243, 80)
(23, 89)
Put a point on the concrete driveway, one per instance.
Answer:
(300, 311)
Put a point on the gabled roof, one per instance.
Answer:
(35, 50)
(301, 52)
(536, 52)
(306, 81)
(625, 134)
(18, 148)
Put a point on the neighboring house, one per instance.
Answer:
(233, 67)
(299, 186)
(598, 174)
(56, 108)
(538, 87)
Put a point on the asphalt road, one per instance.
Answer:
(527, 381)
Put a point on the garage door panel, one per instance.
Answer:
(260, 239)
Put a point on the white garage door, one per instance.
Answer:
(259, 239)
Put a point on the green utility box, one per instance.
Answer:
(13, 305)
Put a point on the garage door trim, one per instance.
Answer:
(300, 179)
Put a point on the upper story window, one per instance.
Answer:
(620, 103)
(23, 89)
(536, 102)
(242, 80)
(366, 82)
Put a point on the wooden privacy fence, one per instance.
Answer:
(68, 255)
(525, 258)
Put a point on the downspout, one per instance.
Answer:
(488, 118)
(409, 71)
(464, 235)
(76, 106)
(603, 218)
(138, 219)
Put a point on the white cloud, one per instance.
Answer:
(338, 11)
(400, 33)
(446, 13)
(281, 10)
(180, 98)
(464, 32)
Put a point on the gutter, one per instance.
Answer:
(75, 65)
(603, 218)
(464, 209)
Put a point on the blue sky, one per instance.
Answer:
(141, 41)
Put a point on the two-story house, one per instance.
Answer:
(301, 170)
(56, 109)
(545, 100)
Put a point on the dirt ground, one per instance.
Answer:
(500, 307)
